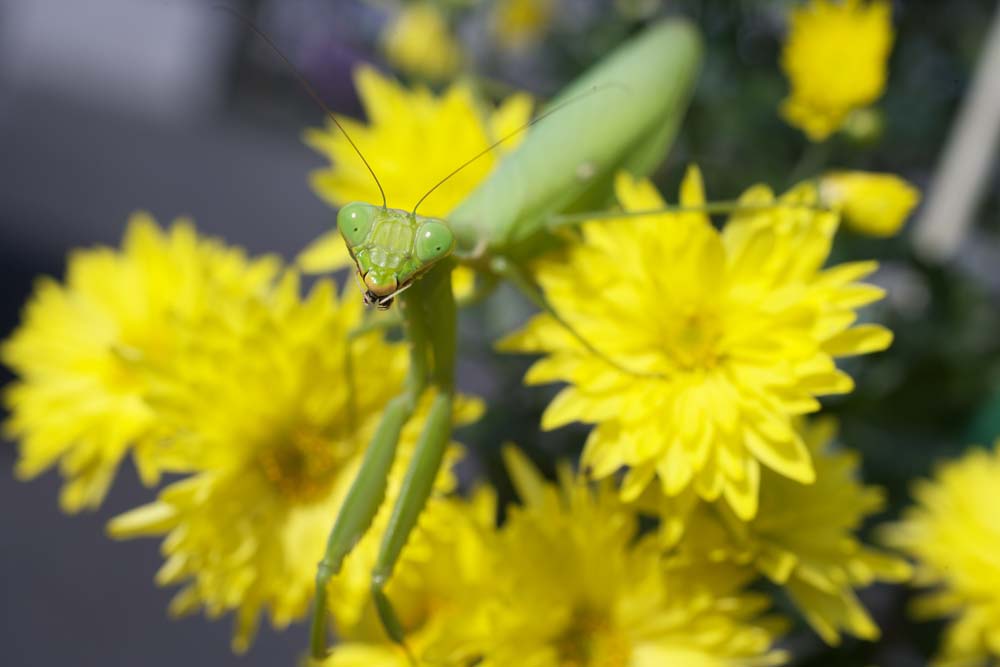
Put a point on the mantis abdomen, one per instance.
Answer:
(635, 100)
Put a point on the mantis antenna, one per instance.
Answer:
(305, 85)
(540, 117)
(709, 208)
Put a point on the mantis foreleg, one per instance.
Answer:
(413, 496)
(432, 300)
(368, 489)
(429, 315)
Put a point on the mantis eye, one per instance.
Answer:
(434, 241)
(355, 222)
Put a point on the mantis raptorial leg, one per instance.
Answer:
(433, 301)
(368, 489)
(429, 316)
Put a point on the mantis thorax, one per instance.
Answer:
(391, 247)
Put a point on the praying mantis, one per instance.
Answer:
(621, 114)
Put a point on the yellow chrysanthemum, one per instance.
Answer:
(262, 402)
(81, 347)
(871, 203)
(720, 339)
(519, 23)
(576, 587)
(835, 60)
(419, 42)
(437, 590)
(413, 140)
(803, 538)
(953, 533)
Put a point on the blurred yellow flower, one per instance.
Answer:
(835, 59)
(520, 23)
(803, 538)
(82, 346)
(419, 42)
(953, 533)
(577, 586)
(871, 203)
(278, 445)
(727, 337)
(413, 140)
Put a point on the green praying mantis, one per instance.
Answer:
(621, 114)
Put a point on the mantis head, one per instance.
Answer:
(391, 248)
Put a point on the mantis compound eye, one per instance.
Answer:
(434, 241)
(355, 222)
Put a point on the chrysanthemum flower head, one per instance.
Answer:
(419, 42)
(263, 404)
(720, 339)
(871, 203)
(835, 59)
(803, 538)
(577, 587)
(953, 533)
(81, 348)
(413, 139)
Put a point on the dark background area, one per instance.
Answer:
(108, 106)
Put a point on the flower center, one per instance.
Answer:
(303, 467)
(693, 341)
(591, 641)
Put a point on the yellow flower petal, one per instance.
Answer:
(871, 203)
(564, 409)
(786, 454)
(326, 254)
(861, 339)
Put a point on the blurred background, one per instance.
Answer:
(108, 106)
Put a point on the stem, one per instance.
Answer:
(810, 163)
